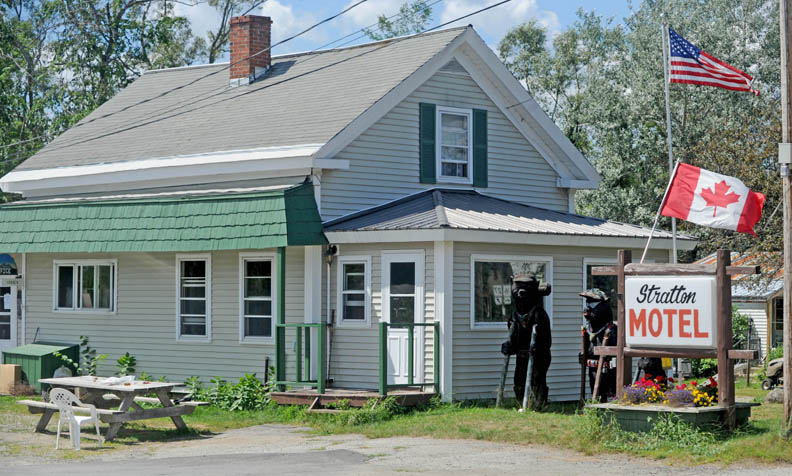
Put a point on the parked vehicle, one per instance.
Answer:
(775, 374)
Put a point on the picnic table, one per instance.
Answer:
(95, 391)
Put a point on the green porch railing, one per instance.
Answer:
(384, 386)
(303, 356)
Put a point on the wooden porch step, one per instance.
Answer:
(357, 398)
(325, 410)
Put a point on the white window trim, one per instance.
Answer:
(500, 326)
(438, 144)
(76, 263)
(342, 260)
(194, 257)
(252, 256)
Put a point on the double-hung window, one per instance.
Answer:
(354, 290)
(454, 144)
(88, 285)
(194, 302)
(257, 297)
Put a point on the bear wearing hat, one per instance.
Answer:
(527, 294)
(601, 331)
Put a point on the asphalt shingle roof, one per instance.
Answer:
(304, 99)
(468, 209)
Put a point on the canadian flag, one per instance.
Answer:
(711, 199)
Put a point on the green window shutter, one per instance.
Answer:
(426, 133)
(479, 148)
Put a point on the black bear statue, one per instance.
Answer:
(529, 316)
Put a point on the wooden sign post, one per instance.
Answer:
(692, 337)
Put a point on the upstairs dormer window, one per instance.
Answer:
(454, 139)
(452, 145)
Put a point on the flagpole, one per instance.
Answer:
(659, 209)
(671, 168)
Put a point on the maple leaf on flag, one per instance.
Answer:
(719, 196)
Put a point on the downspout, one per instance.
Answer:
(329, 255)
(24, 294)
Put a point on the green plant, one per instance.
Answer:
(248, 394)
(341, 404)
(700, 368)
(89, 358)
(126, 364)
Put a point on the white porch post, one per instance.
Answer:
(312, 299)
(444, 292)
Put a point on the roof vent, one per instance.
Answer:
(249, 41)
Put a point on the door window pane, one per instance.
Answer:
(402, 278)
(65, 286)
(402, 309)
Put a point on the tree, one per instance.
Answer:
(603, 85)
(108, 43)
(60, 59)
(218, 39)
(412, 18)
(30, 83)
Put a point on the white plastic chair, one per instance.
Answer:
(64, 400)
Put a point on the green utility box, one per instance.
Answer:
(38, 360)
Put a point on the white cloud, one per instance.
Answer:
(285, 22)
(493, 24)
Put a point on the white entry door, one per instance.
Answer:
(403, 303)
(8, 313)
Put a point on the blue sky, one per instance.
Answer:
(292, 16)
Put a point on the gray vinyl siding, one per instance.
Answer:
(757, 311)
(384, 159)
(476, 356)
(354, 358)
(145, 324)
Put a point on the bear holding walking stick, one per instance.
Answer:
(529, 339)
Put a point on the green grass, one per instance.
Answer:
(560, 425)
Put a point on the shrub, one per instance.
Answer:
(248, 394)
(126, 364)
(703, 367)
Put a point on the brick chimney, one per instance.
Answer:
(247, 36)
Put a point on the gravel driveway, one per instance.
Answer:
(285, 450)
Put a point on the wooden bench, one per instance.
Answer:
(49, 409)
(155, 401)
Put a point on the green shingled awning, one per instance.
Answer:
(256, 220)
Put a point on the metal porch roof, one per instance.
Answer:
(468, 209)
(269, 219)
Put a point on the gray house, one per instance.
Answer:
(761, 300)
(209, 218)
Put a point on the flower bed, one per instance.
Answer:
(664, 391)
(649, 398)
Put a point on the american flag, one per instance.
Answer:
(691, 65)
